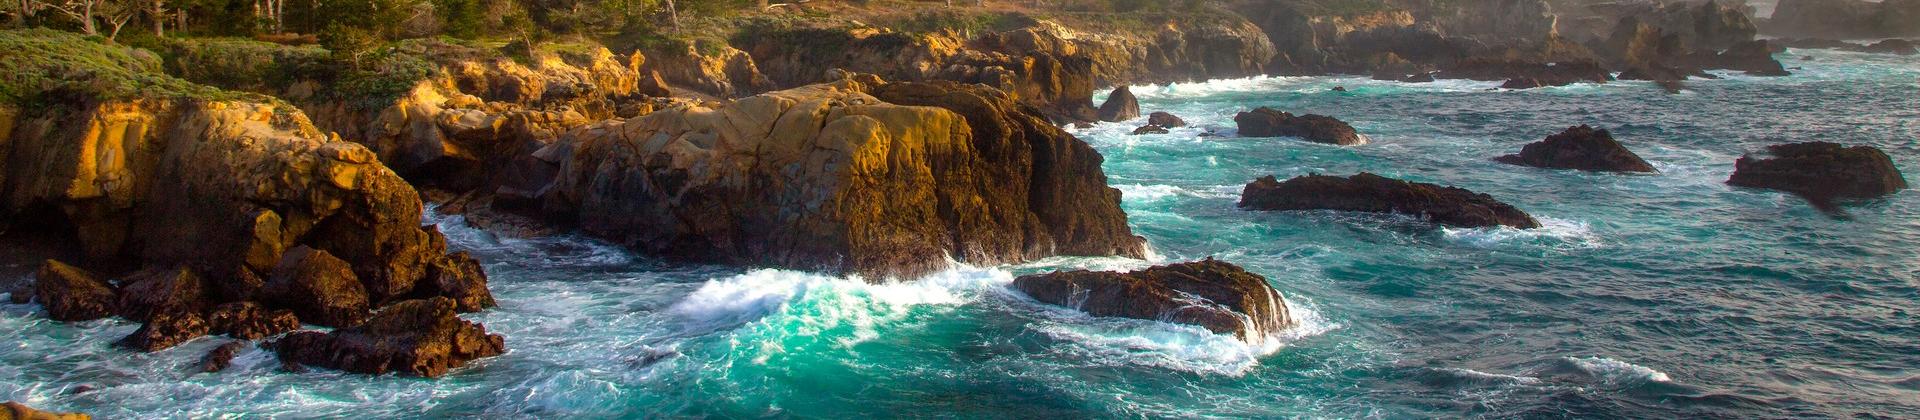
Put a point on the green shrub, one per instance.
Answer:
(48, 67)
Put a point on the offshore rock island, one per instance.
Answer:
(717, 208)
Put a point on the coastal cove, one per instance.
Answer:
(1668, 294)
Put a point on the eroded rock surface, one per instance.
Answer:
(416, 337)
(1820, 171)
(1269, 122)
(1367, 192)
(1581, 147)
(1212, 294)
(72, 294)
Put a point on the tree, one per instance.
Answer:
(157, 12)
(81, 11)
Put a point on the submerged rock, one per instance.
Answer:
(14, 410)
(422, 337)
(1583, 148)
(1212, 294)
(220, 357)
(1821, 172)
(1367, 192)
(1120, 106)
(72, 294)
(1149, 129)
(1165, 120)
(1269, 122)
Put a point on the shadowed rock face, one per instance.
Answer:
(1215, 295)
(855, 176)
(416, 337)
(1845, 19)
(1821, 172)
(72, 294)
(1583, 148)
(1120, 106)
(1269, 122)
(14, 410)
(1165, 120)
(1367, 192)
(220, 357)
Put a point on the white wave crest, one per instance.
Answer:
(781, 304)
(1559, 233)
(1125, 341)
(1156, 192)
(1615, 372)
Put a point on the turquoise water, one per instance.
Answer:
(1653, 296)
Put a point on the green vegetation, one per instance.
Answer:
(45, 67)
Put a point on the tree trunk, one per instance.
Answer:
(158, 13)
(673, 14)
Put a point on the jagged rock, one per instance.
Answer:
(1422, 77)
(1820, 171)
(1540, 73)
(1891, 46)
(221, 357)
(421, 337)
(1061, 87)
(1149, 129)
(651, 84)
(1581, 147)
(855, 176)
(1120, 106)
(1754, 57)
(1367, 192)
(1523, 83)
(1215, 295)
(459, 277)
(17, 411)
(1269, 122)
(250, 321)
(1165, 120)
(156, 291)
(318, 287)
(72, 294)
(165, 330)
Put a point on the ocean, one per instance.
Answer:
(1663, 295)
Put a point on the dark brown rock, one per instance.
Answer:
(1121, 105)
(422, 337)
(458, 277)
(1215, 295)
(1537, 72)
(250, 321)
(1165, 120)
(165, 330)
(1753, 57)
(221, 357)
(1269, 122)
(154, 291)
(1149, 129)
(1583, 148)
(318, 287)
(1891, 46)
(1367, 192)
(72, 294)
(1523, 83)
(1820, 171)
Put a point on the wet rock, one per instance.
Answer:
(1121, 105)
(1418, 78)
(1754, 57)
(1891, 46)
(1212, 294)
(1540, 73)
(1165, 120)
(221, 357)
(1583, 148)
(14, 410)
(1149, 129)
(1523, 83)
(1339, 89)
(1269, 122)
(165, 330)
(72, 294)
(1820, 171)
(318, 287)
(1367, 192)
(459, 277)
(883, 179)
(250, 321)
(420, 337)
(155, 291)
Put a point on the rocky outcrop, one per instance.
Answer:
(221, 357)
(416, 337)
(1525, 72)
(1753, 57)
(1120, 106)
(318, 287)
(1061, 87)
(1149, 129)
(165, 330)
(1820, 171)
(1165, 120)
(855, 176)
(728, 72)
(250, 321)
(1581, 147)
(1269, 122)
(1845, 19)
(152, 292)
(1367, 192)
(1891, 46)
(14, 410)
(1211, 294)
(72, 294)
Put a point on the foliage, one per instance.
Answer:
(46, 67)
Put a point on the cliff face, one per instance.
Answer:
(854, 176)
(1845, 19)
(222, 187)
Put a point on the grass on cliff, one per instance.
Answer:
(44, 67)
